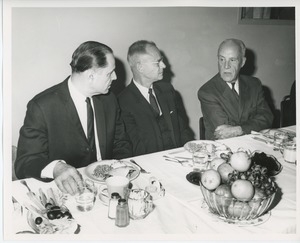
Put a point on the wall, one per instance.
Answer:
(43, 40)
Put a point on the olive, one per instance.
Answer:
(38, 220)
(59, 215)
(48, 205)
(68, 214)
(55, 207)
(51, 215)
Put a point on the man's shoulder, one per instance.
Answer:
(126, 92)
(50, 92)
(210, 84)
(250, 80)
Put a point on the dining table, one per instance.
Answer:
(181, 213)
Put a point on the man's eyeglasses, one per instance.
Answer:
(158, 62)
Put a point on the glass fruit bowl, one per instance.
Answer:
(232, 210)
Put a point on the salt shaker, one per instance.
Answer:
(113, 202)
(122, 213)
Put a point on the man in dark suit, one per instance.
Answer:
(148, 106)
(74, 123)
(233, 104)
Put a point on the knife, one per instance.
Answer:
(142, 170)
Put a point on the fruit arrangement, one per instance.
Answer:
(236, 188)
(49, 215)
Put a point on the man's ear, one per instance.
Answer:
(89, 74)
(139, 67)
(243, 61)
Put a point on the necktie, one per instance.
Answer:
(234, 91)
(90, 129)
(153, 102)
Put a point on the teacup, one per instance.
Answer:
(117, 184)
(140, 204)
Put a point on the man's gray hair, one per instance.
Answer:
(237, 42)
(138, 48)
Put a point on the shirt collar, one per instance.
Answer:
(143, 89)
(75, 94)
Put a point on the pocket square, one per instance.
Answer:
(171, 112)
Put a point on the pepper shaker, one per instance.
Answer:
(113, 202)
(122, 213)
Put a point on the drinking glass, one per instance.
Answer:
(200, 161)
(289, 152)
(280, 138)
(86, 198)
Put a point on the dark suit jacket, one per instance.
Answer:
(141, 123)
(219, 105)
(52, 130)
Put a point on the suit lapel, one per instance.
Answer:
(100, 123)
(71, 111)
(163, 100)
(228, 97)
(244, 94)
(140, 99)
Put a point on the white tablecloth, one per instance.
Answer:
(182, 213)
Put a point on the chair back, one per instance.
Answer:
(201, 129)
(287, 112)
(13, 157)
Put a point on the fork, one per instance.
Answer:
(142, 170)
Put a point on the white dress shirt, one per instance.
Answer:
(81, 107)
(145, 92)
(236, 86)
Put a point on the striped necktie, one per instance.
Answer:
(90, 129)
(153, 102)
(234, 91)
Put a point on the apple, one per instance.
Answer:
(240, 161)
(224, 170)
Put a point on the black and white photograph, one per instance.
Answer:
(149, 120)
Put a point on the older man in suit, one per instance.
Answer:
(148, 106)
(73, 123)
(233, 104)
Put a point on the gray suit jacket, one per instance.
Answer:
(219, 105)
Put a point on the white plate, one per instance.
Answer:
(208, 145)
(118, 167)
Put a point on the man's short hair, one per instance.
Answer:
(89, 54)
(239, 43)
(138, 48)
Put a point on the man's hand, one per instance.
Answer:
(67, 178)
(227, 131)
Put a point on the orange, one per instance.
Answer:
(224, 170)
(242, 190)
(240, 161)
(214, 164)
(210, 179)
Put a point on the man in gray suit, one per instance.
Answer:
(233, 104)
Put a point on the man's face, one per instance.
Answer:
(230, 62)
(152, 65)
(103, 77)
